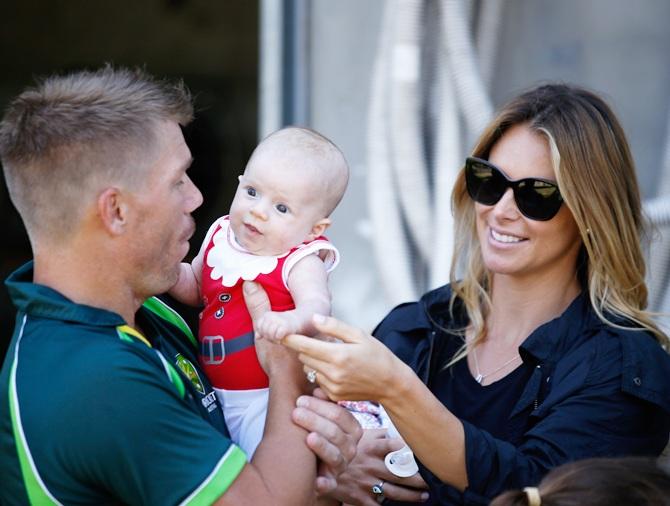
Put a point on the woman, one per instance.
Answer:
(541, 351)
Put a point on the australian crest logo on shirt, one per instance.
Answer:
(187, 368)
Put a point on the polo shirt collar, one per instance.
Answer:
(42, 301)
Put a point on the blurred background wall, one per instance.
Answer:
(442, 64)
(401, 86)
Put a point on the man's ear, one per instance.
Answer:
(318, 228)
(113, 211)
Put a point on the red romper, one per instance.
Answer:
(227, 352)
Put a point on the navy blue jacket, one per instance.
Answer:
(595, 390)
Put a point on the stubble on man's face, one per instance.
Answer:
(164, 202)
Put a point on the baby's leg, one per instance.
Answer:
(253, 423)
(245, 411)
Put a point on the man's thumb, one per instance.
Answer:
(256, 299)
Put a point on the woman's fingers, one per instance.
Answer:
(402, 493)
(354, 486)
(379, 447)
(325, 483)
(309, 346)
(320, 394)
(415, 481)
(337, 328)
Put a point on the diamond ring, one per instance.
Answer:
(311, 376)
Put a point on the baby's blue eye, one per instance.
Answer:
(251, 191)
(281, 208)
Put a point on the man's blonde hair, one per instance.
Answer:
(61, 138)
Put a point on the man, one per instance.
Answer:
(102, 399)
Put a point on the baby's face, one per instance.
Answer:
(276, 206)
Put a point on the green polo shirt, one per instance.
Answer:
(91, 412)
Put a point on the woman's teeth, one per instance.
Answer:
(504, 238)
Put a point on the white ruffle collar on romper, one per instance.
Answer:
(231, 262)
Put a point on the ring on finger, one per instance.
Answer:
(311, 376)
(378, 489)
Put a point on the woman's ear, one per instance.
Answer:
(318, 228)
(113, 211)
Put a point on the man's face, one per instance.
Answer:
(162, 203)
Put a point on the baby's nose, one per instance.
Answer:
(258, 212)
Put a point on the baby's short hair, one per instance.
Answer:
(332, 166)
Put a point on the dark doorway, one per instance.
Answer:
(212, 46)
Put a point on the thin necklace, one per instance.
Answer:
(481, 377)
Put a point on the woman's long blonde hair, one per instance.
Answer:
(596, 176)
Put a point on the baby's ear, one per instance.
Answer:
(319, 228)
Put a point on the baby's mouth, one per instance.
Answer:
(252, 229)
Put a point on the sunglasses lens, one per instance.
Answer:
(538, 200)
(485, 184)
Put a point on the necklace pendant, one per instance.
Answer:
(479, 378)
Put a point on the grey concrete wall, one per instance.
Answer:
(617, 47)
(344, 41)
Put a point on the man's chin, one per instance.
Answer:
(166, 282)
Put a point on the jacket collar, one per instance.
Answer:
(539, 346)
(544, 341)
(42, 301)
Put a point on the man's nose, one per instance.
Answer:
(195, 197)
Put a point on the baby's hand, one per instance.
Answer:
(275, 326)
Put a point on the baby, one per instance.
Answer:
(273, 235)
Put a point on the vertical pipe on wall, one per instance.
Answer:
(271, 63)
(284, 64)
(296, 66)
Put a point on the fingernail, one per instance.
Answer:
(318, 318)
(249, 287)
(301, 401)
(425, 496)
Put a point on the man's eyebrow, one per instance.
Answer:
(186, 165)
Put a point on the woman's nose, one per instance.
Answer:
(506, 207)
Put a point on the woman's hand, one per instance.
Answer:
(354, 486)
(333, 436)
(357, 368)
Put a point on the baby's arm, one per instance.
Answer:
(187, 288)
(308, 284)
